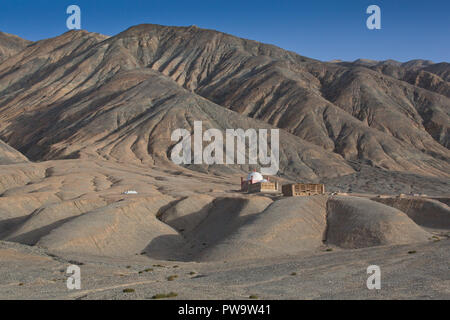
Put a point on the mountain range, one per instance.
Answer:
(85, 95)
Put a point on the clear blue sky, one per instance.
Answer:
(321, 29)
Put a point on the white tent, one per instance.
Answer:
(130, 192)
(255, 177)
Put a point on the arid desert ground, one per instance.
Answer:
(219, 243)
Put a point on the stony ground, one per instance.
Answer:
(193, 234)
(419, 271)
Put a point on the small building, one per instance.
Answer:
(256, 182)
(263, 187)
(302, 189)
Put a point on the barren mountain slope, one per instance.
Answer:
(299, 94)
(96, 96)
(103, 105)
(421, 73)
(11, 45)
(130, 117)
(9, 155)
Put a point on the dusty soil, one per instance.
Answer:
(219, 242)
(418, 271)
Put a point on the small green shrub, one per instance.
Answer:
(171, 278)
(435, 239)
(128, 290)
(165, 295)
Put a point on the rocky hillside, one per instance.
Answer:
(86, 95)
(9, 155)
(11, 45)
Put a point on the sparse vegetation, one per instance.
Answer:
(146, 270)
(329, 249)
(435, 238)
(172, 277)
(158, 266)
(293, 273)
(192, 273)
(165, 295)
(253, 296)
(128, 290)
(412, 251)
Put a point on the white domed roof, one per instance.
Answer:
(255, 176)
